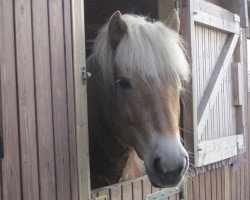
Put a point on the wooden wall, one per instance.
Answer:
(38, 101)
(131, 190)
(38, 125)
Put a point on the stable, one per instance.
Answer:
(43, 83)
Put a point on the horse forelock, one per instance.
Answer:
(149, 50)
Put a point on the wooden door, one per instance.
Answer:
(81, 100)
(214, 123)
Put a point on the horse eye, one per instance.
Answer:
(124, 83)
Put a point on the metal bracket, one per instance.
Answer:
(236, 18)
(240, 150)
(163, 193)
(86, 75)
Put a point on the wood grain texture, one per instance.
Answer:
(10, 165)
(218, 183)
(81, 120)
(242, 183)
(127, 191)
(137, 190)
(237, 83)
(196, 187)
(47, 181)
(189, 191)
(233, 185)
(189, 103)
(116, 193)
(59, 99)
(26, 100)
(208, 185)
(146, 187)
(212, 88)
(70, 97)
(202, 186)
(213, 183)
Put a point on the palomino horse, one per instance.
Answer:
(137, 70)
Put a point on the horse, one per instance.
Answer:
(138, 68)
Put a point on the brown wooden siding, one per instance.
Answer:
(38, 101)
(38, 118)
(131, 190)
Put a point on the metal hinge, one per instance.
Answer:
(85, 74)
(163, 193)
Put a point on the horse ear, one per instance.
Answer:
(116, 30)
(173, 21)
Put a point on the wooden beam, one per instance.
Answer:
(81, 100)
(214, 16)
(212, 21)
(214, 150)
(243, 13)
(190, 102)
(212, 89)
(237, 83)
(214, 10)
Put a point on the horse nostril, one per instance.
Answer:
(158, 166)
(179, 170)
(162, 169)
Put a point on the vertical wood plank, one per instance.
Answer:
(218, 183)
(223, 183)
(213, 182)
(80, 100)
(243, 7)
(228, 181)
(208, 185)
(196, 188)
(127, 191)
(70, 97)
(11, 175)
(190, 103)
(202, 186)
(26, 100)
(116, 193)
(43, 100)
(59, 96)
(233, 185)
(137, 190)
(246, 99)
(238, 184)
(242, 185)
(146, 187)
(190, 188)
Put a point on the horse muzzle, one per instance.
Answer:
(166, 165)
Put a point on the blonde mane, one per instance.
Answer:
(150, 50)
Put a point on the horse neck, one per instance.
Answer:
(108, 157)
